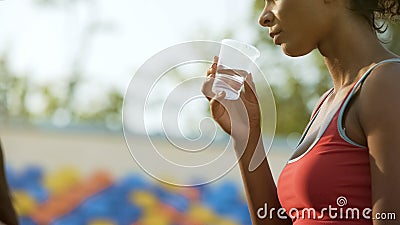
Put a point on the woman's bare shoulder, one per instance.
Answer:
(383, 80)
(380, 93)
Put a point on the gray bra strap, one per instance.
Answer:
(347, 100)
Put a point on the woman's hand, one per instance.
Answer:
(239, 118)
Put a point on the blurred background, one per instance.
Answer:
(65, 66)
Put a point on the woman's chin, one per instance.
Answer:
(294, 51)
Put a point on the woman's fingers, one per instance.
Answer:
(207, 85)
(217, 105)
(250, 89)
(213, 69)
(215, 59)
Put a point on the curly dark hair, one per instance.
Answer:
(372, 10)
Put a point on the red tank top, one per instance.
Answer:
(331, 182)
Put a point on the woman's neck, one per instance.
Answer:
(349, 51)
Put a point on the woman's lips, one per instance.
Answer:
(274, 35)
(276, 40)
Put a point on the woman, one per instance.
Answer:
(7, 213)
(345, 169)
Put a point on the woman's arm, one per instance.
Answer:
(7, 213)
(241, 119)
(259, 186)
(380, 120)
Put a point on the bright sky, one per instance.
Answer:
(43, 41)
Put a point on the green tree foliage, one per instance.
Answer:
(19, 102)
(24, 101)
(394, 36)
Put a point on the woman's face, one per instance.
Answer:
(298, 26)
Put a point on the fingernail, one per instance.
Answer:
(215, 58)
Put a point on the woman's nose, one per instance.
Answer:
(266, 18)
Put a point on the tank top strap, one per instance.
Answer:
(314, 115)
(362, 79)
(324, 97)
(351, 93)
